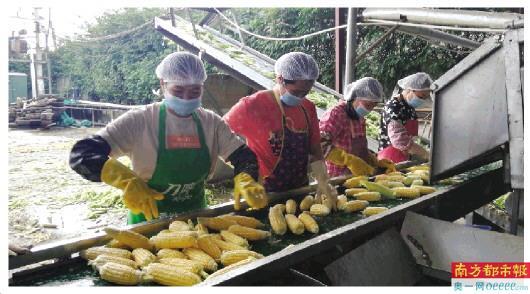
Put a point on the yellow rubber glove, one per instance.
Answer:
(253, 193)
(137, 196)
(383, 163)
(356, 165)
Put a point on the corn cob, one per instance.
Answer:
(166, 231)
(418, 167)
(201, 229)
(391, 184)
(281, 206)
(294, 224)
(200, 256)
(355, 205)
(326, 201)
(233, 238)
(207, 245)
(231, 257)
(373, 210)
(103, 259)
(246, 221)
(411, 178)
(319, 210)
(396, 173)
(216, 223)
(168, 275)
(116, 244)
(216, 236)
(120, 274)
(383, 177)
(185, 264)
(306, 203)
(424, 189)
(309, 222)
(179, 225)
(407, 192)
(249, 233)
(130, 238)
(174, 240)
(143, 257)
(353, 191)
(418, 182)
(232, 266)
(290, 206)
(226, 246)
(341, 200)
(368, 196)
(354, 182)
(92, 253)
(399, 178)
(170, 253)
(384, 191)
(277, 221)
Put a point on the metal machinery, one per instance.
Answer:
(484, 127)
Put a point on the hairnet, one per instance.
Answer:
(181, 68)
(418, 82)
(296, 66)
(367, 88)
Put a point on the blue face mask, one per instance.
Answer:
(361, 111)
(290, 99)
(182, 107)
(415, 101)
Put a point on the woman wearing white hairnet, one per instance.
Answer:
(172, 145)
(281, 127)
(399, 122)
(343, 131)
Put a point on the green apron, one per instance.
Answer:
(179, 173)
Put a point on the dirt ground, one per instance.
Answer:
(49, 201)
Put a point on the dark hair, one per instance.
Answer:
(289, 81)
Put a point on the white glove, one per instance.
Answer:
(324, 188)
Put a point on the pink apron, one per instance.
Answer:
(394, 154)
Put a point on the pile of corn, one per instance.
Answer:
(185, 254)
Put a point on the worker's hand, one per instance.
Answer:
(356, 165)
(325, 192)
(419, 151)
(137, 196)
(18, 249)
(253, 193)
(389, 165)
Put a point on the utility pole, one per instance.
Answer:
(36, 60)
(48, 61)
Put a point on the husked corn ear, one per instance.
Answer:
(249, 233)
(116, 244)
(353, 191)
(277, 221)
(232, 266)
(185, 264)
(200, 256)
(306, 203)
(424, 189)
(143, 257)
(396, 173)
(384, 191)
(103, 259)
(294, 224)
(281, 206)
(166, 231)
(179, 225)
(410, 178)
(319, 210)
(246, 221)
(168, 275)
(170, 253)
(216, 223)
(407, 192)
(120, 274)
(399, 178)
(226, 246)
(201, 229)
(418, 167)
(355, 205)
(418, 182)
(207, 245)
(382, 177)
(341, 199)
(391, 184)
(424, 174)
(231, 257)
(373, 210)
(92, 253)
(309, 222)
(130, 238)
(174, 240)
(290, 206)
(233, 238)
(354, 182)
(368, 196)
